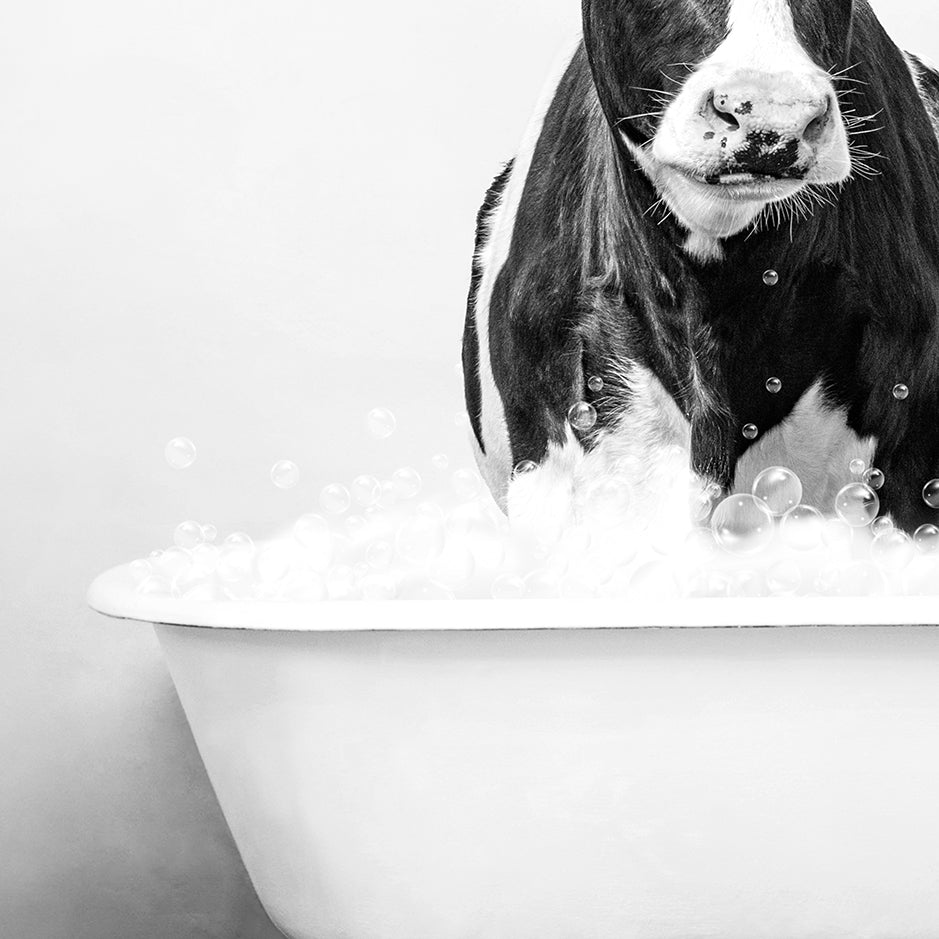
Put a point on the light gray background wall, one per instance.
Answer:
(247, 223)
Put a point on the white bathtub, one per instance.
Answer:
(552, 770)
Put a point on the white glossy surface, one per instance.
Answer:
(610, 784)
(114, 594)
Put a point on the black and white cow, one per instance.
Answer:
(688, 148)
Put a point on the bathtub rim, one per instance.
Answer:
(114, 594)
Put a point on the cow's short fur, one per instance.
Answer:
(582, 269)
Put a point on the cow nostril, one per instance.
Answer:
(719, 107)
(816, 127)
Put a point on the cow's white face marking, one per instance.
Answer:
(756, 123)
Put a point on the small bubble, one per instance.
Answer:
(209, 533)
(582, 416)
(770, 278)
(285, 474)
(931, 493)
(335, 499)
(140, 570)
(366, 490)
(880, 525)
(466, 484)
(857, 467)
(440, 461)
(773, 386)
(926, 538)
(751, 431)
(381, 423)
(901, 392)
(406, 482)
(779, 488)
(380, 554)
(893, 549)
(239, 538)
(742, 525)
(508, 587)
(188, 535)
(875, 478)
(857, 505)
(180, 453)
(595, 384)
(524, 468)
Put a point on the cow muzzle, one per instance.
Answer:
(734, 140)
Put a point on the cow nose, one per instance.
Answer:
(766, 130)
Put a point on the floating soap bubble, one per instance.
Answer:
(466, 484)
(366, 490)
(209, 533)
(893, 549)
(582, 416)
(926, 538)
(523, 468)
(140, 570)
(778, 488)
(901, 392)
(440, 461)
(508, 587)
(802, 528)
(335, 499)
(381, 423)
(380, 554)
(773, 386)
(285, 474)
(770, 278)
(180, 453)
(880, 525)
(875, 478)
(931, 493)
(742, 525)
(239, 538)
(406, 482)
(857, 467)
(784, 578)
(595, 384)
(857, 505)
(751, 431)
(188, 535)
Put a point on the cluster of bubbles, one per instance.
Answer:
(437, 534)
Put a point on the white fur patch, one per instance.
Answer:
(815, 442)
(496, 464)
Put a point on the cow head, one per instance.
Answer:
(728, 106)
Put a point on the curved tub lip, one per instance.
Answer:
(114, 594)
